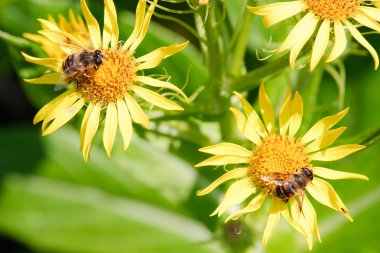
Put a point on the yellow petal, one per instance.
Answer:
(155, 98)
(310, 216)
(125, 123)
(64, 117)
(253, 206)
(83, 127)
(298, 32)
(340, 42)
(367, 21)
(370, 11)
(226, 148)
(92, 24)
(252, 116)
(320, 44)
(154, 58)
(245, 127)
(90, 130)
(274, 217)
(325, 140)
(297, 111)
(47, 25)
(51, 78)
(267, 111)
(285, 113)
(356, 34)
(236, 193)
(325, 194)
(137, 113)
(222, 160)
(286, 214)
(65, 40)
(47, 62)
(335, 174)
(144, 26)
(161, 84)
(140, 13)
(41, 114)
(233, 174)
(335, 153)
(323, 125)
(110, 127)
(111, 28)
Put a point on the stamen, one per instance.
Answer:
(333, 9)
(111, 80)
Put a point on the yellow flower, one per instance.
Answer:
(324, 16)
(108, 88)
(277, 159)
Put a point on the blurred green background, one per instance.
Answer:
(143, 200)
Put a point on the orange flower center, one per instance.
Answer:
(333, 9)
(276, 157)
(111, 80)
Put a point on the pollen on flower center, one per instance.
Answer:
(276, 155)
(333, 9)
(111, 80)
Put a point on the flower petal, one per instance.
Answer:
(226, 148)
(64, 117)
(287, 215)
(111, 28)
(273, 219)
(370, 11)
(277, 12)
(66, 41)
(154, 58)
(340, 42)
(110, 127)
(298, 32)
(325, 194)
(285, 113)
(51, 78)
(93, 26)
(83, 127)
(253, 206)
(161, 84)
(297, 111)
(335, 153)
(320, 44)
(356, 34)
(232, 174)
(47, 62)
(137, 113)
(267, 111)
(144, 26)
(325, 140)
(155, 98)
(335, 174)
(323, 125)
(222, 160)
(47, 25)
(310, 216)
(236, 193)
(252, 116)
(90, 130)
(140, 13)
(367, 21)
(125, 123)
(245, 127)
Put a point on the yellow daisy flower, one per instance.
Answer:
(324, 16)
(108, 87)
(280, 165)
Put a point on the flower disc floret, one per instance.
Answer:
(333, 9)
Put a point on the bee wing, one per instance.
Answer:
(275, 177)
(65, 40)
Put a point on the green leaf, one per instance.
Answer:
(62, 217)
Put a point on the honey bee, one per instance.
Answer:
(77, 63)
(287, 186)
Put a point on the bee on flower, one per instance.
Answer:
(279, 167)
(106, 74)
(324, 17)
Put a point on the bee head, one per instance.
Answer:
(308, 173)
(99, 57)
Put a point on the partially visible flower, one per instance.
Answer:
(108, 88)
(278, 154)
(325, 17)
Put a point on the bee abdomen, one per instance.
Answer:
(286, 190)
(68, 65)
